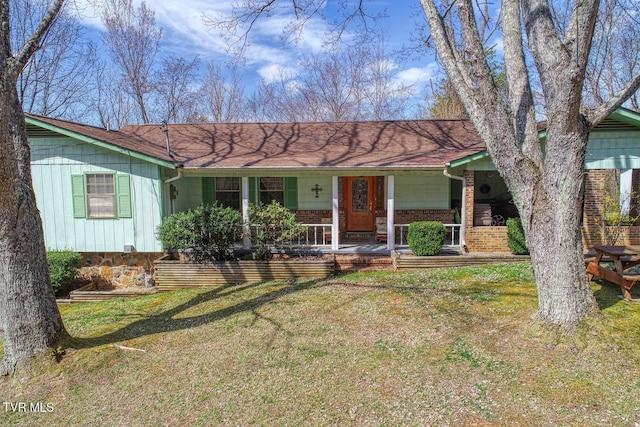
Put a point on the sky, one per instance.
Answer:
(186, 33)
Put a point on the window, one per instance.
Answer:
(228, 192)
(272, 189)
(101, 196)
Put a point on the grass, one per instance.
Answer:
(436, 347)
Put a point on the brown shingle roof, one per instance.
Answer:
(331, 145)
(388, 144)
(116, 138)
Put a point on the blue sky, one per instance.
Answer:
(187, 34)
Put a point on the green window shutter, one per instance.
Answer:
(291, 193)
(77, 193)
(123, 196)
(253, 190)
(208, 190)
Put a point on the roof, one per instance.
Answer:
(415, 144)
(330, 145)
(621, 119)
(113, 140)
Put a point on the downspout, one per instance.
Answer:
(170, 180)
(165, 130)
(463, 242)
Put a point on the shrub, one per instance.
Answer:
(271, 226)
(208, 231)
(63, 267)
(426, 237)
(515, 237)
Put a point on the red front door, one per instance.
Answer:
(360, 195)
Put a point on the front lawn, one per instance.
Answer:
(434, 347)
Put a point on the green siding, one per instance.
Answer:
(429, 190)
(613, 150)
(56, 160)
(307, 199)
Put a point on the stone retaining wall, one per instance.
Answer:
(120, 270)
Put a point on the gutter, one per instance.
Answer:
(179, 168)
(446, 173)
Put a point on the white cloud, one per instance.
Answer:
(498, 46)
(183, 23)
(273, 72)
(419, 76)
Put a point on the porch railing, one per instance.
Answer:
(452, 238)
(320, 235)
(313, 235)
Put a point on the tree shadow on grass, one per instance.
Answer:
(166, 321)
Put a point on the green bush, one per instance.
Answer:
(515, 237)
(272, 226)
(63, 267)
(208, 231)
(426, 237)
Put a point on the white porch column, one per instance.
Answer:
(391, 230)
(335, 232)
(246, 240)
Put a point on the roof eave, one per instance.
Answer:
(311, 169)
(626, 116)
(104, 144)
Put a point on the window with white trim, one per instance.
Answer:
(101, 196)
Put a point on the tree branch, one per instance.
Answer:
(597, 115)
(520, 96)
(579, 35)
(33, 44)
(453, 64)
(549, 53)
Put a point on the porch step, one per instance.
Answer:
(354, 263)
(359, 236)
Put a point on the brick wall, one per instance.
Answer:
(481, 238)
(409, 216)
(494, 239)
(486, 239)
(594, 193)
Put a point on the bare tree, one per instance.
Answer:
(277, 101)
(545, 183)
(614, 55)
(133, 40)
(223, 98)
(386, 97)
(351, 84)
(113, 106)
(445, 103)
(30, 322)
(176, 94)
(59, 77)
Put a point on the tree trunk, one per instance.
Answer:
(554, 238)
(29, 318)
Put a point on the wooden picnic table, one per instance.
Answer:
(623, 257)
